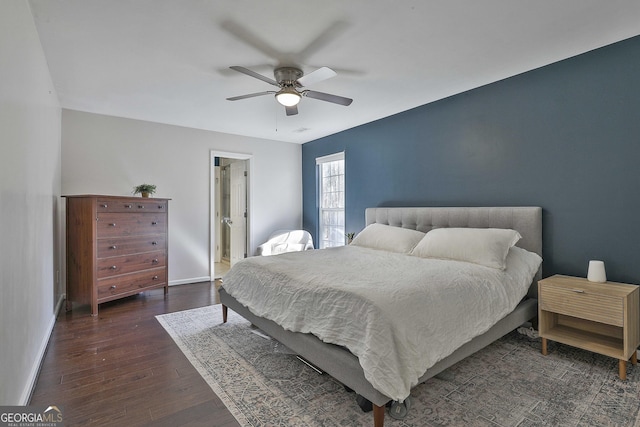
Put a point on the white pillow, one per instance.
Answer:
(484, 246)
(388, 238)
(521, 264)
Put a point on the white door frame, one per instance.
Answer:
(212, 200)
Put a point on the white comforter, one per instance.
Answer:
(397, 313)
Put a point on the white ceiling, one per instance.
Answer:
(167, 60)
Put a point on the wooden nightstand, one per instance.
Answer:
(599, 317)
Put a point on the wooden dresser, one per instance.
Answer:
(116, 247)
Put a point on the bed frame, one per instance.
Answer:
(344, 366)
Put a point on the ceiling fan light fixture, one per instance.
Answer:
(288, 97)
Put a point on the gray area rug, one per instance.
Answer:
(508, 383)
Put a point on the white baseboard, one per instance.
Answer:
(35, 369)
(191, 280)
(62, 298)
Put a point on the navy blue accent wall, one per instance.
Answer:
(565, 137)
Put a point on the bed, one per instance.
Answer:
(381, 384)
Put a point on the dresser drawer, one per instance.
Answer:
(582, 304)
(131, 283)
(118, 246)
(133, 205)
(114, 266)
(117, 224)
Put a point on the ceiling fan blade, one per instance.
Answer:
(245, 35)
(325, 38)
(318, 75)
(250, 95)
(291, 111)
(341, 100)
(248, 72)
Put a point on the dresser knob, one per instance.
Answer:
(113, 224)
(103, 205)
(155, 261)
(154, 222)
(160, 206)
(128, 206)
(113, 267)
(113, 247)
(154, 243)
(141, 206)
(155, 278)
(112, 287)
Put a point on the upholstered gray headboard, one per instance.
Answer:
(527, 220)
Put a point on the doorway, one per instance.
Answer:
(230, 211)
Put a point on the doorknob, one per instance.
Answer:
(227, 221)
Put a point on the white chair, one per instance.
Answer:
(283, 241)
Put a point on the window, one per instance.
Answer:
(331, 200)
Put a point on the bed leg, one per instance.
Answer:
(224, 313)
(378, 416)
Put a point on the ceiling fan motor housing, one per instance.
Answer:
(287, 76)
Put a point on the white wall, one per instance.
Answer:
(29, 202)
(110, 155)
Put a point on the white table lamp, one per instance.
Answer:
(596, 272)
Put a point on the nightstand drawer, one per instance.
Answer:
(582, 304)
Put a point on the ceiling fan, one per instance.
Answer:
(291, 81)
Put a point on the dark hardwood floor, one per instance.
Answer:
(122, 368)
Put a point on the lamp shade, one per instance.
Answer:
(288, 97)
(596, 272)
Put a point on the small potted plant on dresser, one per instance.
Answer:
(144, 189)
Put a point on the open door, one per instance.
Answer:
(230, 218)
(238, 213)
